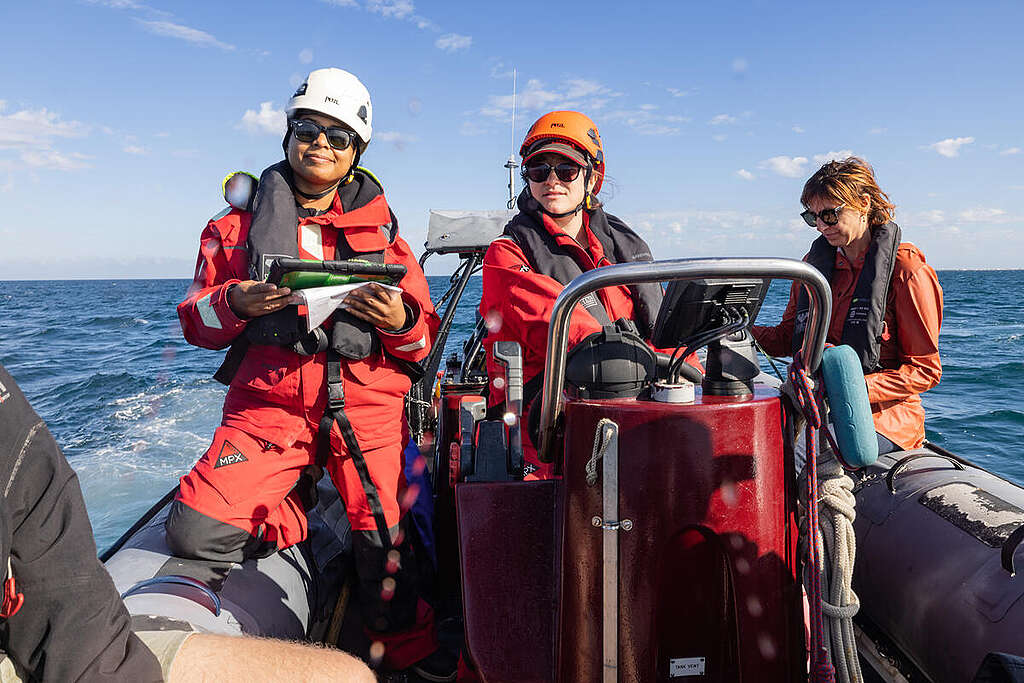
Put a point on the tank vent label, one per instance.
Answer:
(686, 666)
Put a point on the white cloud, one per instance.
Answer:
(929, 217)
(798, 129)
(950, 147)
(471, 129)
(398, 9)
(645, 121)
(499, 69)
(740, 65)
(35, 127)
(745, 174)
(405, 10)
(53, 160)
(138, 150)
(453, 42)
(186, 33)
(129, 5)
(574, 93)
(117, 4)
(33, 134)
(266, 120)
(712, 232)
(790, 167)
(581, 87)
(399, 140)
(834, 156)
(719, 137)
(877, 131)
(722, 119)
(677, 92)
(1009, 151)
(982, 215)
(306, 56)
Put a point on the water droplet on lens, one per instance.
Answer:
(499, 383)
(766, 645)
(729, 495)
(510, 419)
(492, 321)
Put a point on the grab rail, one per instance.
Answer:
(181, 581)
(662, 271)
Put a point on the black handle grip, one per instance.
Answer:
(894, 471)
(280, 266)
(1010, 547)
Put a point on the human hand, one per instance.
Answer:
(251, 299)
(378, 306)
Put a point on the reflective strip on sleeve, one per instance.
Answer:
(415, 346)
(208, 315)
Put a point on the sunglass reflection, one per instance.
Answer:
(538, 173)
(308, 131)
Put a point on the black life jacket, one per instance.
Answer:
(273, 233)
(547, 257)
(865, 318)
(621, 245)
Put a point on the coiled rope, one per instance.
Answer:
(838, 550)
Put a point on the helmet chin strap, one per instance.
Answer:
(319, 195)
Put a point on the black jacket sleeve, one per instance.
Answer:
(72, 625)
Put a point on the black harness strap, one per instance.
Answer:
(335, 412)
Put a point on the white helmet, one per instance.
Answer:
(338, 94)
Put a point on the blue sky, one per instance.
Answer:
(118, 118)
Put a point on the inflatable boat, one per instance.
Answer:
(675, 545)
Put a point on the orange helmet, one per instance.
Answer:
(571, 127)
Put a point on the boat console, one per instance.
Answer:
(668, 547)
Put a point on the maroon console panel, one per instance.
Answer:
(707, 570)
(509, 536)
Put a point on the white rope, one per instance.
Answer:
(602, 437)
(836, 512)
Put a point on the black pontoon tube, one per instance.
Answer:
(662, 271)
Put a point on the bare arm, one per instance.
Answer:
(215, 658)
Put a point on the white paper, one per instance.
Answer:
(322, 301)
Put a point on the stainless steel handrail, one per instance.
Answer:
(662, 271)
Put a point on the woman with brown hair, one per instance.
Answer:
(886, 300)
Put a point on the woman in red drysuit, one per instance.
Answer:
(333, 398)
(561, 231)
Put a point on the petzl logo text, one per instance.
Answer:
(229, 455)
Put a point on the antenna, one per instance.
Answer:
(511, 164)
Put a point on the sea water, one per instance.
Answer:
(133, 405)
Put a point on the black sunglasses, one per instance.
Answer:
(308, 131)
(538, 173)
(827, 216)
